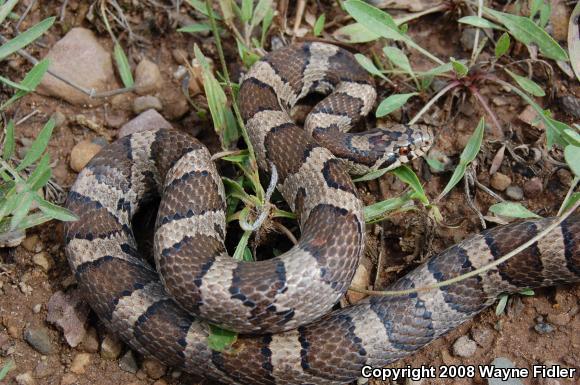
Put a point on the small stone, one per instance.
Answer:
(464, 347)
(59, 118)
(571, 105)
(409, 381)
(116, 118)
(500, 181)
(154, 368)
(482, 336)
(500, 101)
(128, 363)
(149, 119)
(37, 308)
(141, 374)
(43, 260)
(111, 347)
(80, 362)
(565, 177)
(533, 187)
(160, 382)
(32, 243)
(90, 343)
(144, 103)
(561, 319)
(80, 58)
(69, 313)
(180, 56)
(25, 379)
(147, 77)
(543, 328)
(361, 279)
(39, 339)
(68, 379)
(503, 363)
(515, 192)
(82, 153)
(559, 16)
(25, 288)
(43, 369)
(467, 38)
(175, 104)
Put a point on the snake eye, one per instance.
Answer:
(403, 150)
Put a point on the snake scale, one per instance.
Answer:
(281, 305)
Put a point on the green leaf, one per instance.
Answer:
(408, 176)
(525, 31)
(8, 205)
(479, 22)
(535, 7)
(26, 37)
(459, 68)
(571, 136)
(194, 28)
(30, 81)
(398, 58)
(371, 175)
(8, 365)
(526, 292)
(21, 209)
(374, 19)
(571, 201)
(392, 103)
(355, 33)
(9, 142)
(378, 210)
(319, 25)
(527, 84)
(435, 163)
(41, 174)
(247, 9)
(123, 65)
(368, 65)
(512, 210)
(441, 69)
(220, 340)
(545, 12)
(502, 45)
(38, 146)
(467, 156)
(500, 308)
(262, 9)
(240, 252)
(5, 10)
(12, 84)
(266, 23)
(572, 156)
(201, 7)
(55, 211)
(574, 42)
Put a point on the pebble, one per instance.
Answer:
(464, 347)
(160, 382)
(80, 362)
(565, 177)
(500, 181)
(361, 279)
(561, 319)
(533, 187)
(515, 192)
(111, 347)
(144, 103)
(482, 336)
(32, 243)
(43, 369)
(43, 260)
(175, 104)
(25, 288)
(154, 368)
(145, 121)
(90, 66)
(467, 38)
(147, 77)
(25, 379)
(90, 343)
(180, 56)
(571, 105)
(59, 119)
(37, 308)
(559, 16)
(116, 118)
(68, 379)
(409, 381)
(543, 328)
(82, 153)
(128, 363)
(39, 339)
(504, 363)
(69, 313)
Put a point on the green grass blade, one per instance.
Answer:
(12, 84)
(405, 174)
(262, 9)
(377, 211)
(398, 58)
(30, 81)
(572, 156)
(219, 339)
(21, 209)
(319, 25)
(368, 65)
(355, 33)
(123, 65)
(9, 142)
(26, 37)
(502, 45)
(527, 84)
(5, 10)
(479, 22)
(194, 28)
(55, 211)
(38, 146)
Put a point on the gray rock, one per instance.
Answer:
(149, 119)
(39, 339)
(464, 347)
(482, 336)
(43, 260)
(515, 192)
(68, 313)
(144, 103)
(25, 379)
(543, 328)
(43, 369)
(147, 77)
(467, 38)
(128, 363)
(90, 343)
(502, 362)
(80, 58)
(571, 105)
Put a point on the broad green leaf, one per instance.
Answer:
(30, 81)
(220, 340)
(500, 308)
(407, 175)
(368, 65)
(8, 205)
(574, 41)
(527, 292)
(355, 33)
(572, 156)
(392, 103)
(55, 211)
(247, 9)
(319, 25)
(571, 136)
(378, 210)
(201, 7)
(459, 68)
(9, 142)
(5, 10)
(194, 28)
(398, 58)
(41, 174)
(512, 210)
(38, 146)
(571, 201)
(479, 22)
(374, 19)
(502, 45)
(21, 209)
(467, 156)
(527, 84)
(25, 37)
(535, 7)
(262, 9)
(123, 65)
(240, 252)
(545, 12)
(435, 163)
(524, 30)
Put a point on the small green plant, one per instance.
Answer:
(8, 365)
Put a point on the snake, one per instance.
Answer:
(282, 307)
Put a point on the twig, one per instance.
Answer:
(474, 53)
(283, 229)
(299, 14)
(491, 114)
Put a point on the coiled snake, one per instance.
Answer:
(279, 304)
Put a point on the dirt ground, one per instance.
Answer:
(25, 287)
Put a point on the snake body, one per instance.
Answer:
(280, 304)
